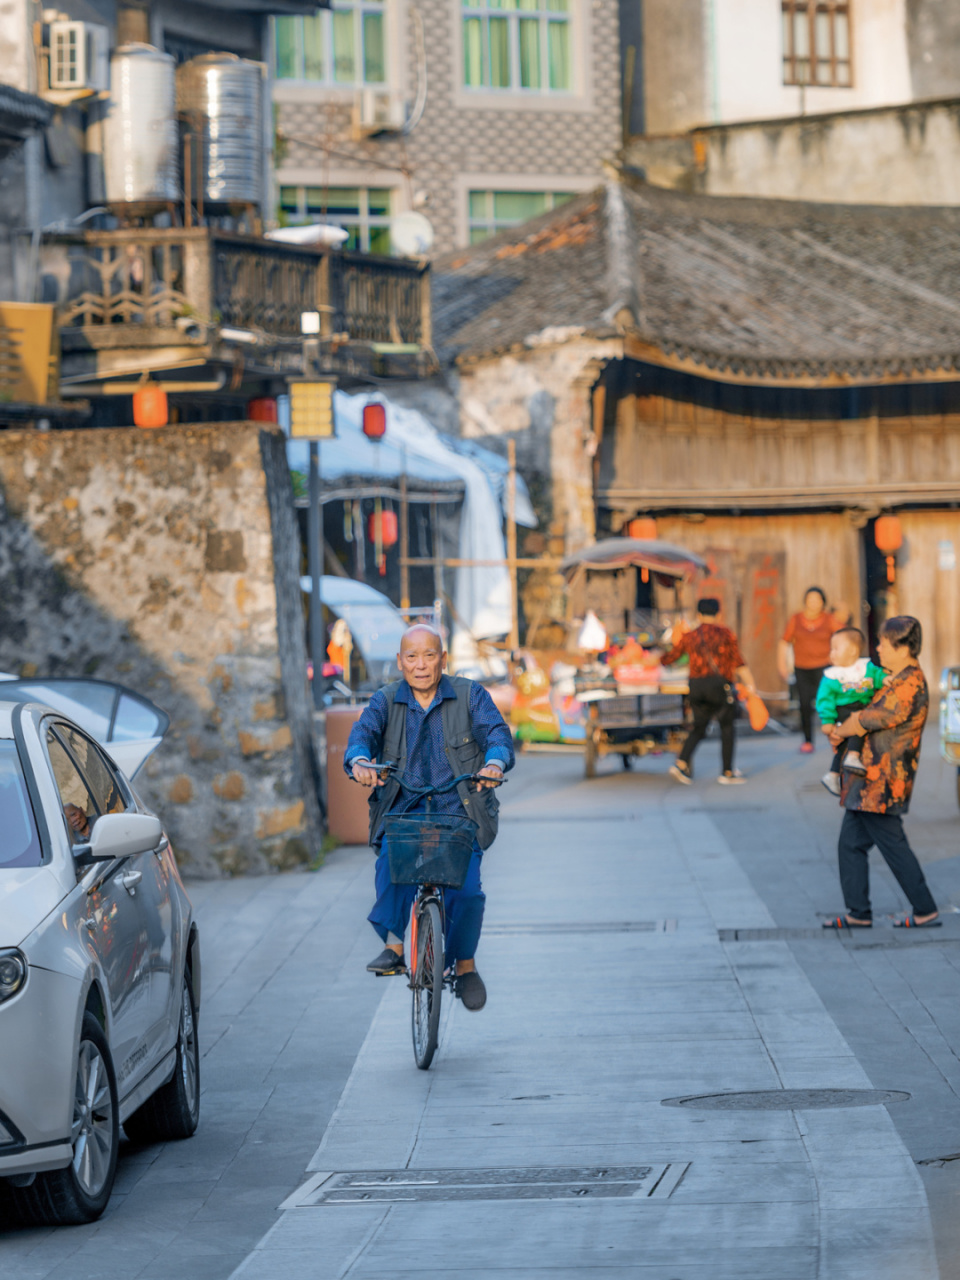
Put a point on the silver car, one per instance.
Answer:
(99, 959)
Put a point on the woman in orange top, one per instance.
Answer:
(810, 633)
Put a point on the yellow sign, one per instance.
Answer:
(311, 410)
(28, 367)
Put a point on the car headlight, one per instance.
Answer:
(13, 973)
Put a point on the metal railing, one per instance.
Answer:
(143, 286)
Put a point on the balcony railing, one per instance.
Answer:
(148, 287)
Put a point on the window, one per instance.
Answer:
(816, 43)
(345, 45)
(518, 44)
(79, 810)
(491, 211)
(363, 211)
(102, 781)
(20, 846)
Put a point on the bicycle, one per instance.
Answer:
(432, 851)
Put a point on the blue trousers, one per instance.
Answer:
(462, 908)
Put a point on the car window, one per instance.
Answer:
(19, 841)
(135, 720)
(107, 789)
(79, 808)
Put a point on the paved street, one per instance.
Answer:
(644, 942)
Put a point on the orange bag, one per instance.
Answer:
(756, 709)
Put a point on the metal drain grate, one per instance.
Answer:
(772, 935)
(581, 926)
(788, 1099)
(393, 1186)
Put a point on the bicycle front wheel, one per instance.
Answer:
(427, 985)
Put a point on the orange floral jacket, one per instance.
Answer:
(894, 723)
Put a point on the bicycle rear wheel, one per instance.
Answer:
(427, 985)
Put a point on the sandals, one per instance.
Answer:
(842, 922)
(911, 922)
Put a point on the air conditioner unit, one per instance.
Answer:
(378, 111)
(79, 56)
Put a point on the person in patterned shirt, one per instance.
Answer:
(874, 803)
(715, 663)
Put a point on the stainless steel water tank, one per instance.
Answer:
(220, 100)
(140, 128)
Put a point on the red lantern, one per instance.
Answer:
(374, 420)
(888, 534)
(150, 405)
(262, 409)
(389, 528)
(644, 528)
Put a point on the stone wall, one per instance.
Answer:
(908, 155)
(168, 560)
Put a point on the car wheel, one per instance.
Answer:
(80, 1192)
(174, 1110)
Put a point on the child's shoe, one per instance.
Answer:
(853, 764)
(831, 781)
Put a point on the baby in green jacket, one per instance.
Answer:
(848, 684)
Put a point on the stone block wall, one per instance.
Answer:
(168, 561)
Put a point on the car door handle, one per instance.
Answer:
(89, 923)
(130, 880)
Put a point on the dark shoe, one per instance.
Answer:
(471, 990)
(387, 962)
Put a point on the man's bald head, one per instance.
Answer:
(421, 632)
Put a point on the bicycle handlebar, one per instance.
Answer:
(389, 767)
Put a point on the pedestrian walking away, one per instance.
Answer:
(433, 728)
(715, 663)
(809, 633)
(848, 684)
(875, 801)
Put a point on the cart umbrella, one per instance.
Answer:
(665, 558)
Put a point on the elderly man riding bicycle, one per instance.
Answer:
(434, 728)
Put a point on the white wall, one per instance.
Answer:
(16, 60)
(745, 61)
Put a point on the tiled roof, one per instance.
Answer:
(753, 287)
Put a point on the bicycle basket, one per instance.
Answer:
(430, 848)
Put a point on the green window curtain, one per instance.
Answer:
(473, 52)
(378, 202)
(529, 53)
(286, 32)
(380, 240)
(289, 206)
(344, 47)
(499, 29)
(558, 6)
(561, 197)
(478, 206)
(343, 203)
(558, 53)
(374, 57)
(480, 233)
(314, 66)
(518, 206)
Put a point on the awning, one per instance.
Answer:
(623, 553)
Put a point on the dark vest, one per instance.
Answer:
(464, 753)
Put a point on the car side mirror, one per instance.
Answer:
(119, 835)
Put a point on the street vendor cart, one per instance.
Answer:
(634, 708)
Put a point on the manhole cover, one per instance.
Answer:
(391, 1186)
(789, 1099)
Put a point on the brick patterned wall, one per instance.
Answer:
(535, 143)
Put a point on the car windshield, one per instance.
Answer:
(19, 842)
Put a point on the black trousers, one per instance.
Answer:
(848, 744)
(859, 832)
(808, 682)
(709, 700)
